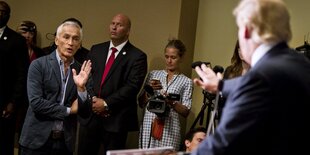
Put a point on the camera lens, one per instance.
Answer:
(158, 106)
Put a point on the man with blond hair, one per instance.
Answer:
(266, 109)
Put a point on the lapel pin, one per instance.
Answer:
(124, 53)
(5, 38)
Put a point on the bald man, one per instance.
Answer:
(115, 87)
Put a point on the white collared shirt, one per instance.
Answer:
(119, 48)
(260, 51)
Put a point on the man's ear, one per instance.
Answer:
(56, 41)
(187, 143)
(247, 31)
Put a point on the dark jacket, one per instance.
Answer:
(44, 86)
(266, 111)
(121, 85)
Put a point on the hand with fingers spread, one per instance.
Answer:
(81, 79)
(208, 79)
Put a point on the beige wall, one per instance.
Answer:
(217, 33)
(153, 22)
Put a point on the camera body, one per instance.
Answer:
(28, 28)
(158, 105)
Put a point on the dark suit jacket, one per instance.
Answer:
(44, 86)
(120, 87)
(266, 111)
(38, 51)
(13, 65)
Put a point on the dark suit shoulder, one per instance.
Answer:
(46, 58)
(133, 49)
(107, 43)
(40, 60)
(128, 46)
(13, 35)
(100, 47)
(38, 51)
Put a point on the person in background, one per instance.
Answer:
(238, 65)
(27, 29)
(170, 85)
(81, 54)
(54, 93)
(14, 64)
(119, 69)
(266, 110)
(193, 138)
(237, 68)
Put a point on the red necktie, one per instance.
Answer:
(108, 66)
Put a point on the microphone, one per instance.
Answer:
(199, 63)
(218, 69)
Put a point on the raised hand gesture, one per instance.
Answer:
(81, 79)
(208, 79)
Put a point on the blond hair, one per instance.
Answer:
(269, 19)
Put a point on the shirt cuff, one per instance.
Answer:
(83, 95)
(68, 111)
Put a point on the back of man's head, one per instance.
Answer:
(269, 19)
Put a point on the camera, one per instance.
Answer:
(199, 63)
(28, 28)
(158, 105)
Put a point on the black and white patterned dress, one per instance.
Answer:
(179, 84)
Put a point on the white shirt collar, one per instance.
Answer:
(260, 51)
(2, 30)
(119, 47)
